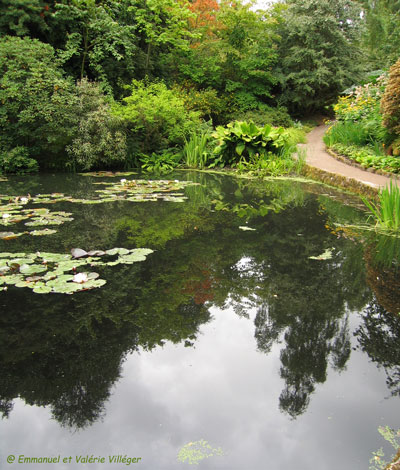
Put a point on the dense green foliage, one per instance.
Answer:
(361, 132)
(317, 52)
(391, 102)
(161, 67)
(382, 31)
(99, 140)
(156, 117)
(36, 100)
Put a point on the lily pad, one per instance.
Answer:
(194, 452)
(110, 174)
(42, 289)
(45, 231)
(56, 257)
(78, 253)
(32, 268)
(10, 235)
(96, 253)
(327, 254)
(12, 278)
(117, 251)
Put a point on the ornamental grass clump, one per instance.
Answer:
(195, 153)
(387, 211)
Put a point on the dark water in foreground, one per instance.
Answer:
(276, 347)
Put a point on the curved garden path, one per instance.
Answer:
(318, 157)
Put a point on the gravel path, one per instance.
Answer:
(318, 157)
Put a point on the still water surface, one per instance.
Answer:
(224, 336)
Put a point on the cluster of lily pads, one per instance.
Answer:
(125, 190)
(109, 174)
(144, 190)
(12, 208)
(58, 273)
(14, 212)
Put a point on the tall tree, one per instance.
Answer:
(92, 42)
(382, 32)
(160, 25)
(319, 53)
(24, 18)
(235, 53)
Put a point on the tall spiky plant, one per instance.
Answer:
(387, 211)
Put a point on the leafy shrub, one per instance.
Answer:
(390, 105)
(242, 140)
(17, 161)
(206, 102)
(367, 158)
(160, 163)
(36, 101)
(358, 113)
(100, 140)
(156, 117)
(261, 165)
(278, 116)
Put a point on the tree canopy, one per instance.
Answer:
(226, 60)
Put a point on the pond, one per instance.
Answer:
(237, 327)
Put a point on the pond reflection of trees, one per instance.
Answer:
(379, 337)
(66, 351)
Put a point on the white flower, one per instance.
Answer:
(123, 181)
(6, 215)
(24, 200)
(80, 278)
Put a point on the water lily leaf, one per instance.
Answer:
(78, 253)
(42, 289)
(92, 276)
(45, 231)
(12, 278)
(105, 263)
(32, 268)
(39, 211)
(54, 257)
(108, 173)
(23, 283)
(138, 254)
(21, 261)
(142, 251)
(94, 283)
(6, 255)
(34, 278)
(6, 235)
(119, 251)
(327, 254)
(60, 280)
(96, 253)
(67, 288)
(69, 265)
